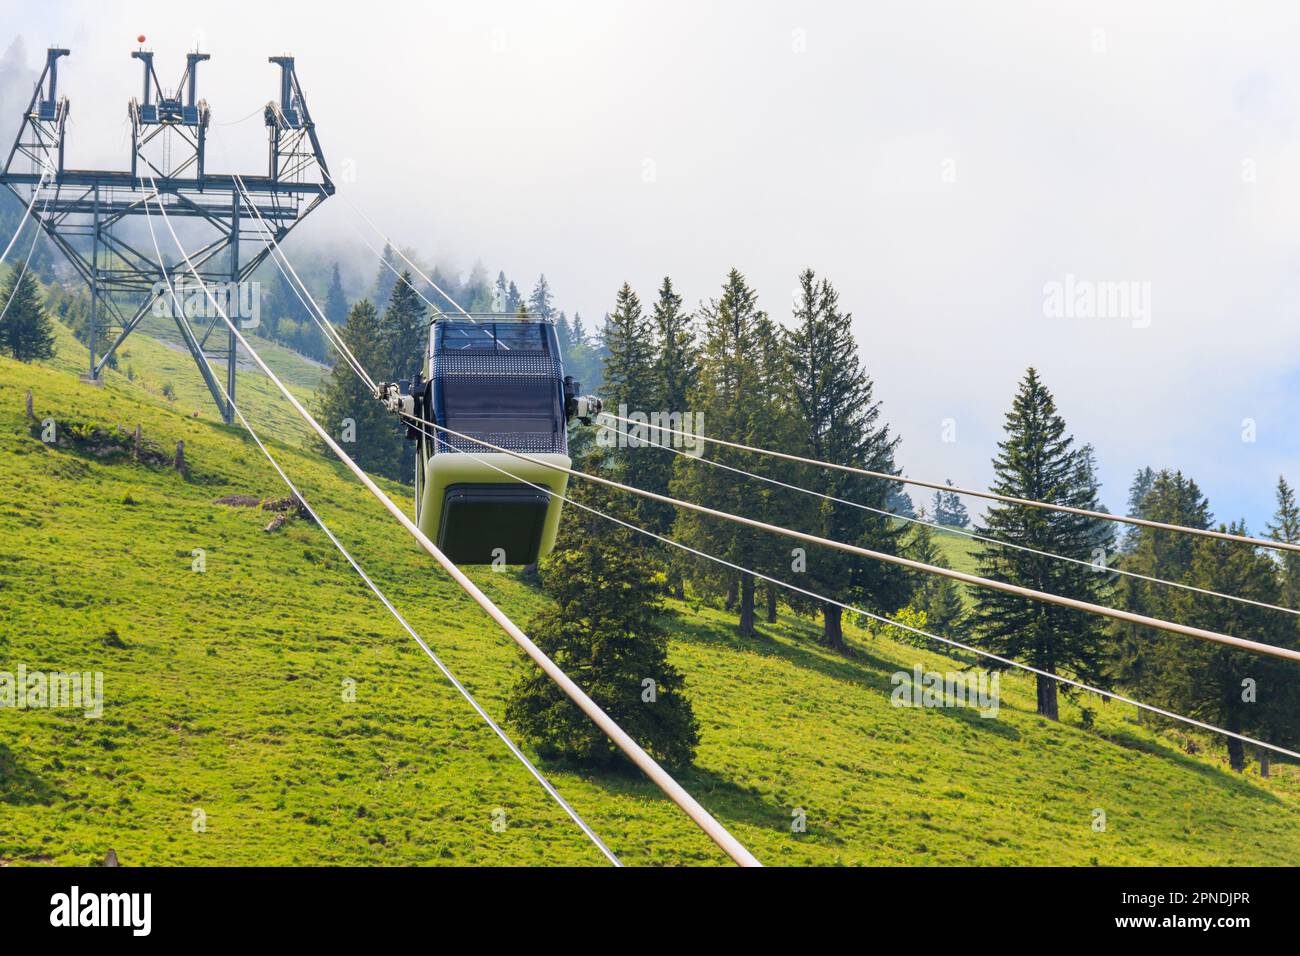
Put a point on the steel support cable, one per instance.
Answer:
(885, 620)
(418, 271)
(36, 235)
(395, 271)
(1128, 617)
(397, 615)
(977, 493)
(959, 531)
(401, 277)
(702, 818)
(26, 214)
(332, 335)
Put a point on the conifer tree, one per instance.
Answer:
(1137, 492)
(541, 302)
(730, 393)
(900, 502)
(501, 294)
(1282, 720)
(839, 420)
(26, 332)
(404, 337)
(1038, 460)
(939, 597)
(1242, 692)
(949, 510)
(564, 333)
(347, 408)
(1285, 527)
(607, 632)
(579, 330)
(629, 386)
(405, 331)
(387, 274)
(674, 374)
(1138, 654)
(336, 302)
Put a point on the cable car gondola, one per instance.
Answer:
(499, 379)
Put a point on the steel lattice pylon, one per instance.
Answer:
(83, 211)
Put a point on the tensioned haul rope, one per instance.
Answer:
(416, 269)
(1129, 617)
(26, 213)
(433, 656)
(702, 818)
(36, 235)
(978, 493)
(958, 531)
(332, 335)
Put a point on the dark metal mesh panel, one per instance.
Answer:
(499, 369)
(472, 362)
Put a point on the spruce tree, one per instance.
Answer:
(939, 597)
(579, 331)
(348, 409)
(729, 393)
(336, 302)
(405, 332)
(1139, 654)
(564, 334)
(1282, 719)
(838, 419)
(386, 276)
(500, 294)
(583, 358)
(1238, 690)
(26, 332)
(404, 337)
(949, 510)
(900, 502)
(629, 387)
(541, 302)
(1038, 460)
(606, 631)
(1285, 527)
(675, 370)
(1137, 492)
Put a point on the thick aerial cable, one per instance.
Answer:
(1010, 662)
(397, 615)
(1129, 617)
(702, 818)
(401, 277)
(394, 270)
(26, 213)
(959, 531)
(36, 235)
(978, 493)
(332, 335)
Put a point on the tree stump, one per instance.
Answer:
(139, 440)
(180, 456)
(30, 414)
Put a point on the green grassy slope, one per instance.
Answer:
(223, 695)
(145, 364)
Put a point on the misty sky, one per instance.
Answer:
(940, 164)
